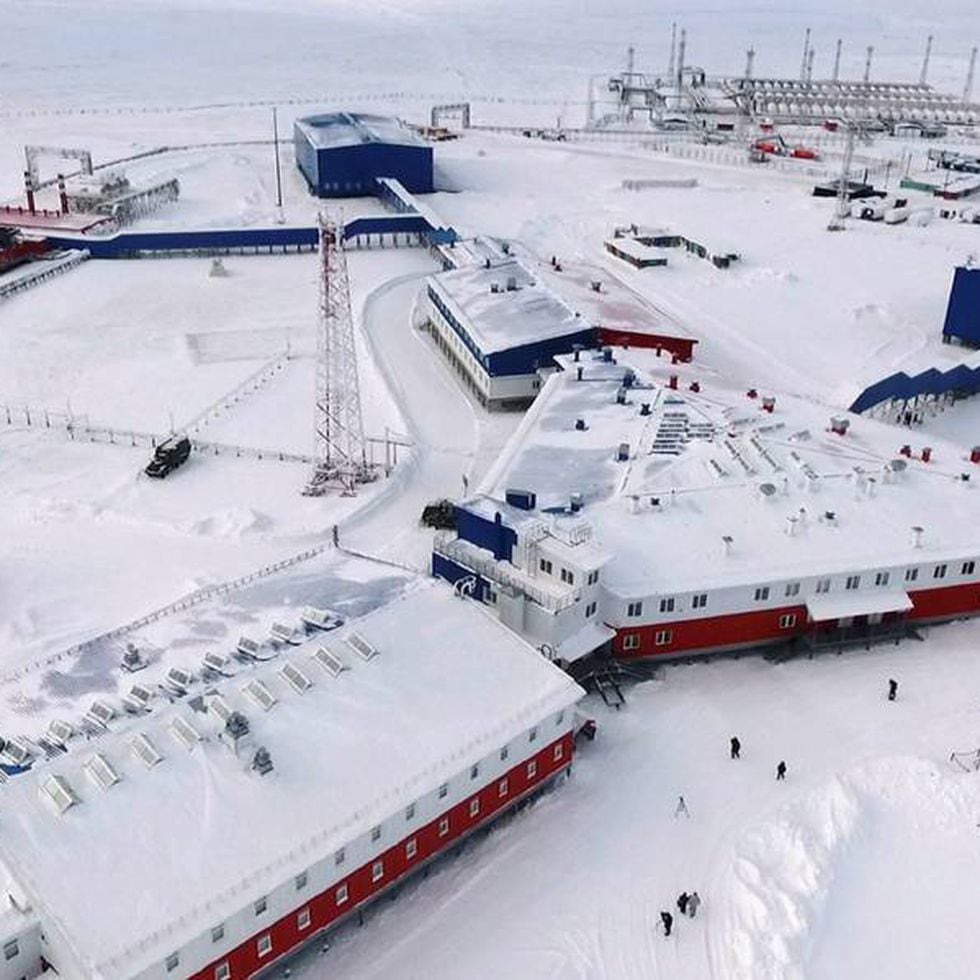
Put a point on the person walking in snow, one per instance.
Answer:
(693, 903)
(736, 747)
(681, 809)
(682, 901)
(892, 689)
(780, 771)
(668, 921)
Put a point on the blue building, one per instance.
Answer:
(963, 312)
(341, 154)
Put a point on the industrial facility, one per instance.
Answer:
(328, 774)
(342, 154)
(726, 520)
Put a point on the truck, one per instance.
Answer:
(170, 454)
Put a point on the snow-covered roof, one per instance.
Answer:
(335, 129)
(498, 318)
(449, 683)
(794, 498)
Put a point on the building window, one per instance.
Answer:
(823, 585)
(474, 772)
(444, 826)
(793, 588)
(339, 857)
(411, 849)
(532, 769)
(590, 610)
(662, 637)
(593, 578)
(853, 582)
(377, 870)
(173, 961)
(217, 933)
(911, 574)
(939, 571)
(532, 734)
(881, 578)
(301, 880)
(968, 568)
(340, 895)
(443, 790)
(634, 609)
(699, 601)
(264, 945)
(410, 811)
(303, 919)
(11, 950)
(545, 565)
(222, 971)
(559, 752)
(491, 596)
(502, 787)
(631, 641)
(376, 833)
(504, 753)
(667, 605)
(762, 593)
(261, 905)
(474, 807)
(567, 576)
(787, 621)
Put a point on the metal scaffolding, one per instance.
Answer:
(340, 448)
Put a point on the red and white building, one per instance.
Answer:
(708, 519)
(161, 849)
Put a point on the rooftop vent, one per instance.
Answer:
(60, 732)
(295, 678)
(623, 453)
(791, 523)
(178, 680)
(217, 664)
(262, 761)
(58, 793)
(595, 285)
(237, 726)
(330, 662)
(917, 533)
(495, 287)
(144, 750)
(101, 713)
(767, 490)
(185, 732)
(580, 425)
(511, 284)
(281, 633)
(726, 543)
(220, 708)
(260, 694)
(521, 499)
(361, 646)
(645, 408)
(248, 647)
(17, 751)
(101, 772)
(575, 502)
(321, 619)
(839, 425)
(132, 658)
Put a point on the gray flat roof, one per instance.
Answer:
(335, 129)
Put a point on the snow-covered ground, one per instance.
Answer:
(860, 864)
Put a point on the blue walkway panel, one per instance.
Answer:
(960, 381)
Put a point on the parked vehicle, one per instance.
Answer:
(440, 514)
(168, 456)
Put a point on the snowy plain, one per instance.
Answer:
(862, 864)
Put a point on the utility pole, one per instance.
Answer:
(968, 88)
(749, 62)
(867, 64)
(843, 189)
(673, 50)
(836, 75)
(275, 142)
(925, 61)
(806, 51)
(809, 65)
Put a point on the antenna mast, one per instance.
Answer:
(340, 450)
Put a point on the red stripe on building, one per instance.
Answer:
(285, 934)
(766, 626)
(680, 347)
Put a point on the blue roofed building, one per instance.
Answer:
(342, 154)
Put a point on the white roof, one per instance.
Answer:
(500, 320)
(705, 459)
(133, 870)
(637, 250)
(336, 129)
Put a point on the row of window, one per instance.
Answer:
(822, 586)
(663, 638)
(566, 574)
(341, 893)
(457, 326)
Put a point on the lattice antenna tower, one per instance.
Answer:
(340, 449)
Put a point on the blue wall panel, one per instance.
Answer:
(963, 310)
(452, 572)
(494, 536)
(527, 358)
